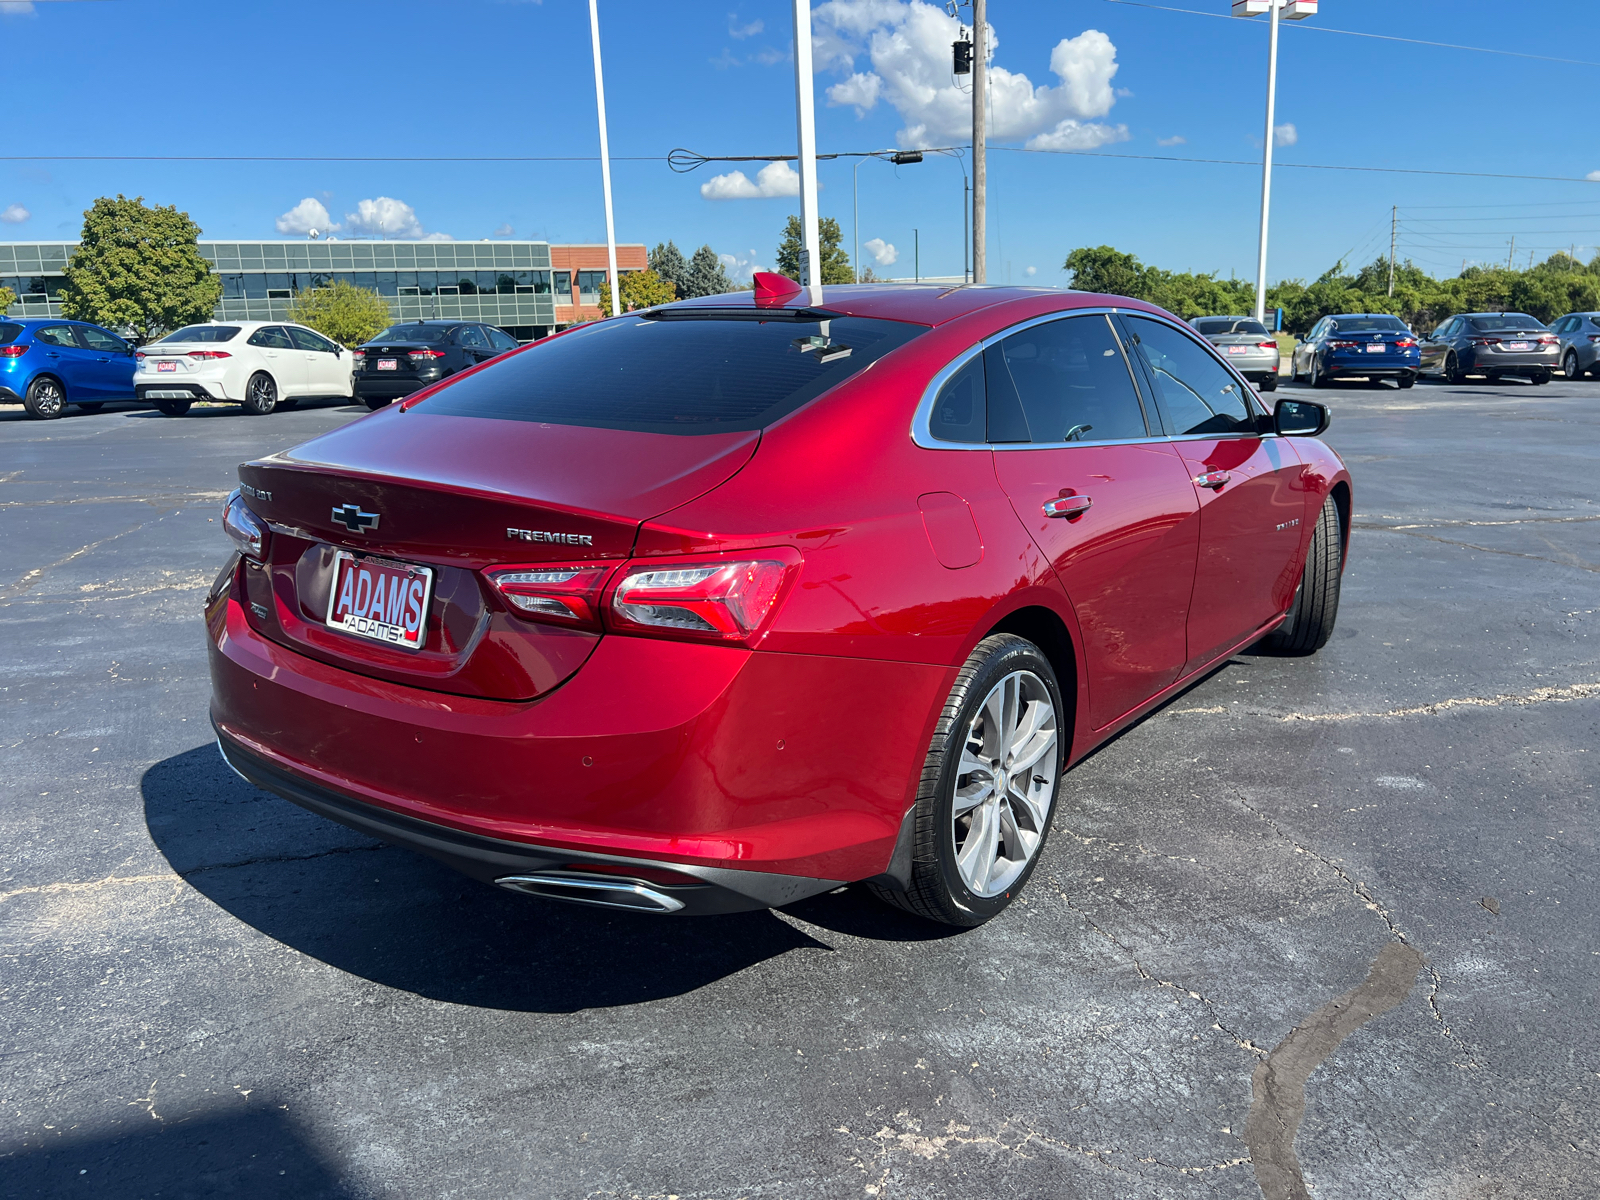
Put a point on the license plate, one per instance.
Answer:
(166, 366)
(1238, 349)
(1518, 346)
(1376, 348)
(380, 599)
(388, 364)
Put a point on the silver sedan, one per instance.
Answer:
(1250, 347)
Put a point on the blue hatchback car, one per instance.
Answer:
(48, 364)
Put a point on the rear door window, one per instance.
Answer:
(471, 336)
(1062, 381)
(1196, 394)
(305, 339)
(272, 337)
(500, 339)
(677, 374)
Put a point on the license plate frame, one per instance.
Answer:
(1238, 349)
(350, 619)
(166, 365)
(1517, 347)
(388, 364)
(1377, 348)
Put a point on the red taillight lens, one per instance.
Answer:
(246, 529)
(12, 351)
(726, 600)
(209, 354)
(424, 355)
(560, 593)
(1551, 340)
(358, 355)
(1594, 337)
(1405, 343)
(1485, 341)
(1266, 345)
(1343, 345)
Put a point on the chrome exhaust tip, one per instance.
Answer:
(620, 892)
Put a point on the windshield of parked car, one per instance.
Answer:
(1512, 321)
(413, 333)
(678, 374)
(1367, 325)
(1213, 326)
(203, 333)
(8, 332)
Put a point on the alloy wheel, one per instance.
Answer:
(1005, 785)
(1569, 366)
(48, 400)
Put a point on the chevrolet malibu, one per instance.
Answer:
(730, 602)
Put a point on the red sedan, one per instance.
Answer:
(727, 603)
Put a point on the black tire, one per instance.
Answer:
(1452, 369)
(377, 402)
(172, 408)
(90, 406)
(1540, 378)
(45, 400)
(1569, 365)
(1316, 601)
(938, 891)
(1318, 379)
(1269, 384)
(1406, 381)
(260, 395)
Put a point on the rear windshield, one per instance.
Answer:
(9, 332)
(1368, 325)
(676, 375)
(1512, 321)
(413, 333)
(1212, 326)
(203, 333)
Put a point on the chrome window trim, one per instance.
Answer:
(922, 419)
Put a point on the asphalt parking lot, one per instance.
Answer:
(1325, 923)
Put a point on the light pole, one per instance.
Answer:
(980, 157)
(806, 116)
(605, 163)
(1294, 10)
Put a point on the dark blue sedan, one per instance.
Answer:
(1370, 346)
(47, 364)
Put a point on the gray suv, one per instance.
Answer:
(1580, 343)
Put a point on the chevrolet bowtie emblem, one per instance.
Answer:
(353, 519)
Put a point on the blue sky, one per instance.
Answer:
(346, 78)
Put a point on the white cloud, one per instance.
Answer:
(735, 30)
(1593, 176)
(1285, 134)
(17, 8)
(883, 253)
(908, 44)
(437, 237)
(309, 214)
(1175, 140)
(774, 179)
(504, 230)
(741, 267)
(1031, 272)
(14, 214)
(771, 57)
(387, 217)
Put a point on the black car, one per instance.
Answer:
(1370, 346)
(1492, 345)
(413, 354)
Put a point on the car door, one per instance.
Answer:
(110, 362)
(500, 340)
(1248, 486)
(282, 361)
(327, 370)
(66, 359)
(1110, 505)
(1431, 349)
(475, 347)
(1304, 351)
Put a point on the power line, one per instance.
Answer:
(1382, 37)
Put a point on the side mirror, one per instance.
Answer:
(1300, 418)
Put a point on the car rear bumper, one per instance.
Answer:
(1514, 364)
(388, 387)
(9, 395)
(705, 760)
(1378, 370)
(149, 393)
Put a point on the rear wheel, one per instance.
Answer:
(1269, 384)
(1318, 379)
(1316, 600)
(90, 406)
(1540, 378)
(45, 399)
(1452, 369)
(173, 408)
(988, 786)
(1569, 365)
(260, 395)
(1406, 381)
(376, 402)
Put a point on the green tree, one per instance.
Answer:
(835, 262)
(640, 289)
(667, 261)
(140, 269)
(707, 275)
(7, 299)
(350, 315)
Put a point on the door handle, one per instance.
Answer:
(1213, 479)
(1068, 506)
(52, 354)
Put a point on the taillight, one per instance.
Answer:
(19, 351)
(1550, 340)
(1343, 345)
(1594, 337)
(209, 354)
(359, 355)
(1266, 345)
(724, 600)
(139, 355)
(560, 593)
(247, 530)
(424, 355)
(1485, 341)
(1405, 343)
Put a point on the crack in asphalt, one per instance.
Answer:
(28, 578)
(1403, 531)
(179, 876)
(1278, 1085)
(1474, 524)
(1543, 695)
(160, 500)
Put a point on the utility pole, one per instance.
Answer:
(1513, 252)
(966, 246)
(805, 111)
(605, 164)
(1394, 228)
(980, 165)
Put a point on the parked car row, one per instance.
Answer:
(48, 364)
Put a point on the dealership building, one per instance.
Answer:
(529, 289)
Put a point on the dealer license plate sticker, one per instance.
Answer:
(388, 364)
(380, 599)
(1376, 348)
(1519, 346)
(166, 366)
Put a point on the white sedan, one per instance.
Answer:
(260, 365)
